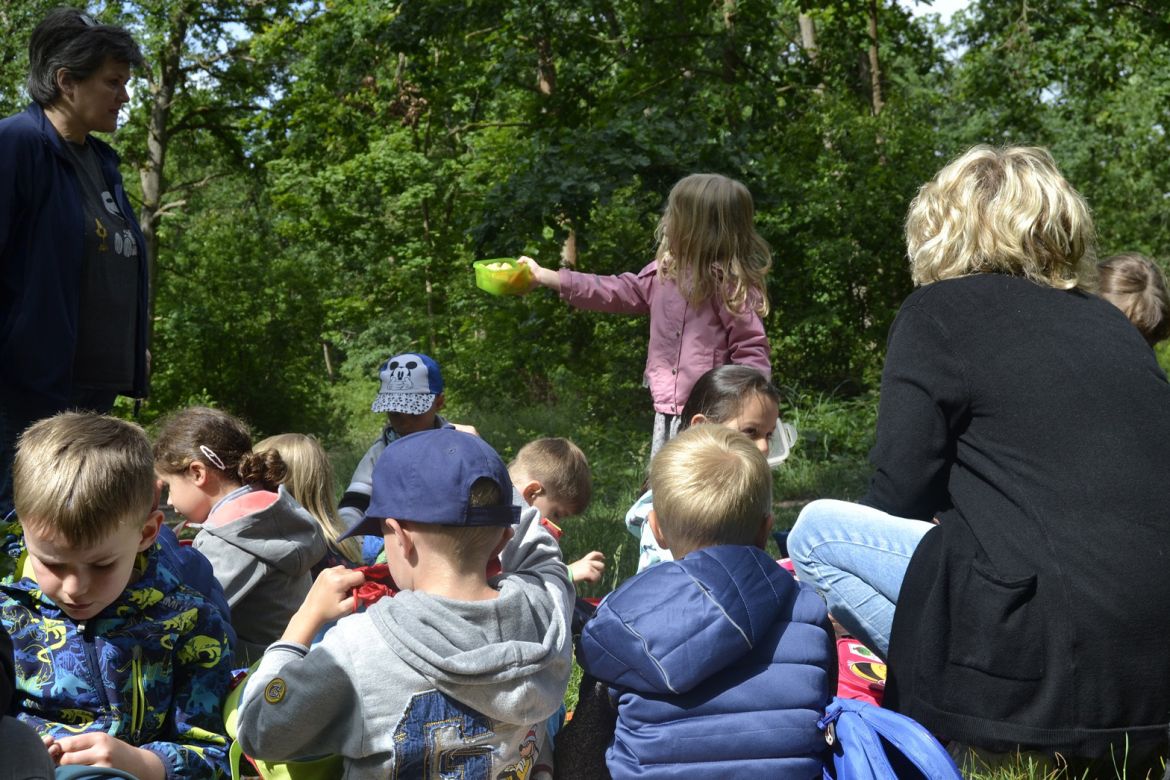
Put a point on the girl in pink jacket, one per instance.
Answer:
(704, 292)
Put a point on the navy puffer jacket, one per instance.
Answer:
(720, 663)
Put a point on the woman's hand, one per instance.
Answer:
(541, 276)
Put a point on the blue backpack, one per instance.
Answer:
(869, 743)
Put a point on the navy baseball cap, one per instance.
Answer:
(410, 384)
(426, 477)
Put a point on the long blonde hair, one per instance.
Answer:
(708, 244)
(1007, 210)
(310, 481)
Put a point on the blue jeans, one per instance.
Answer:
(856, 557)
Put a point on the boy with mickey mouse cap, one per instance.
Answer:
(458, 669)
(411, 395)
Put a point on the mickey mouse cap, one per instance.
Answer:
(410, 383)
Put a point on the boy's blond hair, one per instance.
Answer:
(1007, 210)
(560, 467)
(711, 486)
(81, 475)
(1137, 286)
(460, 545)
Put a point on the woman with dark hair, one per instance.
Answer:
(1031, 419)
(73, 267)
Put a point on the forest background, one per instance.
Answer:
(315, 179)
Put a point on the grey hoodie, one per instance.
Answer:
(419, 682)
(261, 546)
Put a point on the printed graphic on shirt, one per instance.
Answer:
(440, 738)
(527, 768)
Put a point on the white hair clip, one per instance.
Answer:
(87, 20)
(211, 456)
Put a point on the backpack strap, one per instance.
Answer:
(869, 743)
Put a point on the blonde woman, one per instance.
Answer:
(310, 481)
(1019, 410)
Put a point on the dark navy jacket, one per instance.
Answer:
(41, 234)
(720, 664)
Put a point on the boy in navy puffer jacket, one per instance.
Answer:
(719, 662)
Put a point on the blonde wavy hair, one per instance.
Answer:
(310, 481)
(1002, 210)
(708, 244)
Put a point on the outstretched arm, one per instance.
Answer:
(619, 294)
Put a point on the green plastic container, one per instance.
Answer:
(514, 279)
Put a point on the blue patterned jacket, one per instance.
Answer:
(152, 668)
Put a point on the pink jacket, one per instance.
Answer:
(685, 341)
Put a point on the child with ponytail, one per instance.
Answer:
(260, 541)
(705, 292)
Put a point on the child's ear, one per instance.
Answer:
(765, 530)
(198, 473)
(399, 535)
(698, 419)
(150, 530)
(531, 491)
(656, 529)
(440, 400)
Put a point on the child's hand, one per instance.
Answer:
(55, 751)
(588, 569)
(328, 600)
(465, 428)
(541, 277)
(97, 748)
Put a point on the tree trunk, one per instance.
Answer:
(808, 36)
(875, 70)
(154, 184)
(546, 69)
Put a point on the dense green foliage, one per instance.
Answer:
(329, 170)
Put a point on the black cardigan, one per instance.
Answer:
(1035, 423)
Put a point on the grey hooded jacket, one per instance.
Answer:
(261, 547)
(419, 681)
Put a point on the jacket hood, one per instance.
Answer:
(731, 595)
(274, 528)
(469, 647)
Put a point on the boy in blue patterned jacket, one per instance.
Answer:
(715, 664)
(118, 662)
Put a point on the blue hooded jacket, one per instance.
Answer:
(41, 246)
(720, 663)
(152, 668)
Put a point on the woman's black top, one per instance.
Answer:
(1035, 424)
